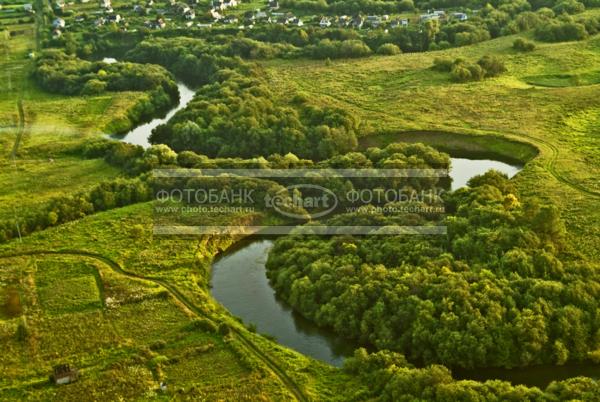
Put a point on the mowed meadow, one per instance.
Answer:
(130, 310)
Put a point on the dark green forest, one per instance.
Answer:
(495, 291)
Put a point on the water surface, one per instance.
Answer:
(463, 169)
(140, 134)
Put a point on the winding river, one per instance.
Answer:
(141, 134)
(240, 284)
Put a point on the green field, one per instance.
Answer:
(110, 305)
(395, 94)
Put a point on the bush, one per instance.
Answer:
(204, 325)
(158, 345)
(388, 49)
(442, 64)
(523, 45)
(477, 72)
(326, 48)
(492, 65)
(12, 304)
(561, 32)
(22, 331)
(93, 87)
(569, 7)
(461, 73)
(224, 329)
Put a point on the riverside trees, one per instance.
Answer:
(493, 292)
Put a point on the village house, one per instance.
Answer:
(325, 22)
(215, 14)
(374, 21)
(116, 18)
(428, 17)
(223, 4)
(249, 17)
(139, 10)
(181, 8)
(343, 21)
(106, 4)
(433, 15)
(357, 22)
(261, 16)
(273, 5)
(403, 22)
(28, 8)
(460, 16)
(295, 21)
(58, 23)
(100, 21)
(56, 33)
(190, 14)
(159, 23)
(230, 20)
(64, 374)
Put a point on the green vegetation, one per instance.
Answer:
(434, 383)
(461, 71)
(86, 281)
(523, 45)
(501, 256)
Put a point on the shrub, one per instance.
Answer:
(158, 345)
(477, 73)
(93, 87)
(442, 64)
(561, 31)
(492, 65)
(22, 331)
(224, 329)
(388, 49)
(12, 305)
(460, 73)
(569, 7)
(523, 45)
(204, 325)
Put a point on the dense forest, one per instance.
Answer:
(494, 292)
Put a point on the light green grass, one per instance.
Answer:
(66, 288)
(401, 93)
(29, 186)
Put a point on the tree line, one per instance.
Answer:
(391, 378)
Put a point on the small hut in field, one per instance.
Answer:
(64, 374)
